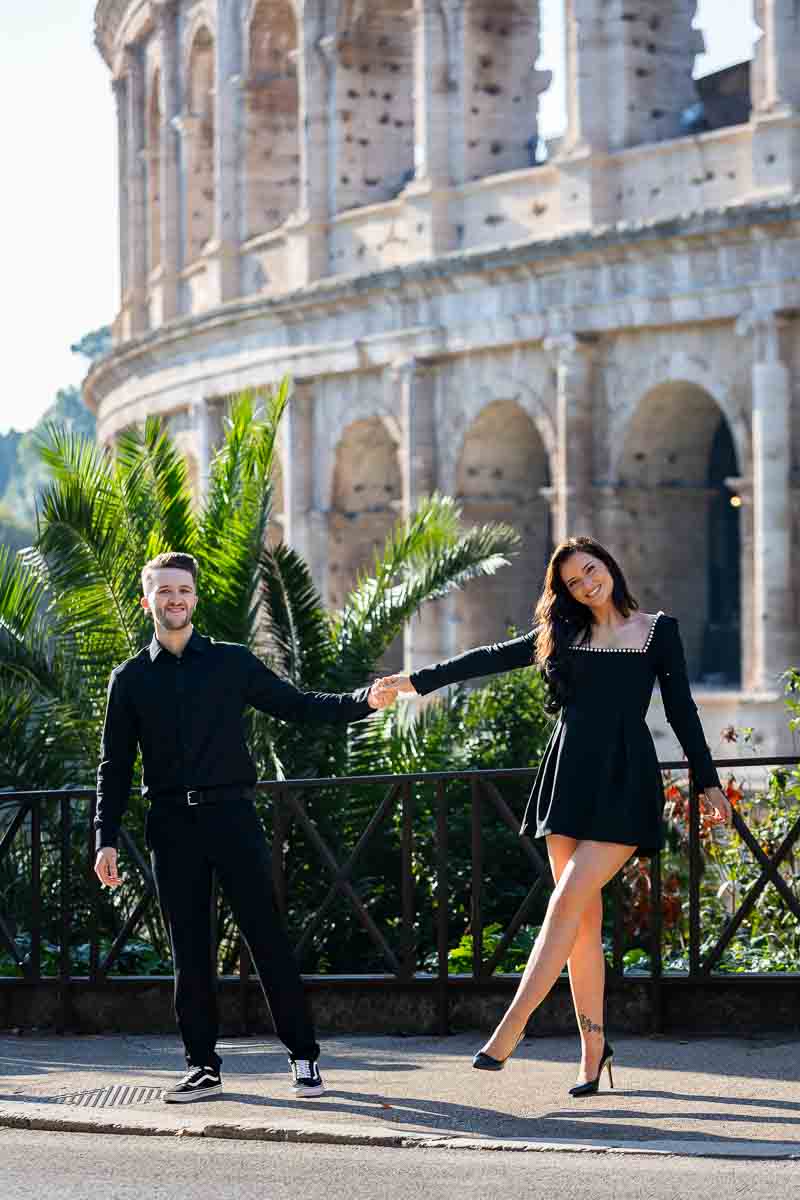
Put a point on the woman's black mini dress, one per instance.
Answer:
(599, 777)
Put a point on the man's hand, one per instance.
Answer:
(384, 692)
(715, 799)
(105, 867)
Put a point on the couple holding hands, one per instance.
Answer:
(596, 800)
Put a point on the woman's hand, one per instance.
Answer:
(384, 692)
(715, 799)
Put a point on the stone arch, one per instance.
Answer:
(374, 101)
(153, 134)
(651, 372)
(199, 137)
(365, 502)
(272, 154)
(501, 470)
(674, 528)
(501, 45)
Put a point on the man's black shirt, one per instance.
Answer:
(185, 714)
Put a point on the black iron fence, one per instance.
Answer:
(430, 865)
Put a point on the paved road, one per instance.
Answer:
(35, 1165)
(699, 1096)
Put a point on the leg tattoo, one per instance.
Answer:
(588, 1026)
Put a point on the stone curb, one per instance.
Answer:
(30, 1116)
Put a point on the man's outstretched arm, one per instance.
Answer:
(114, 778)
(269, 693)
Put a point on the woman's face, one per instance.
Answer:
(587, 579)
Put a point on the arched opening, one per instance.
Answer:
(502, 44)
(678, 532)
(501, 471)
(364, 505)
(200, 145)
(154, 172)
(272, 135)
(374, 102)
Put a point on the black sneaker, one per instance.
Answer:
(306, 1079)
(197, 1085)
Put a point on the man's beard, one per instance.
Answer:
(173, 621)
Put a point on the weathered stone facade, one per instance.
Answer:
(601, 342)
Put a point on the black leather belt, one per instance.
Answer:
(197, 797)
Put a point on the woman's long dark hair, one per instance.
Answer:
(561, 620)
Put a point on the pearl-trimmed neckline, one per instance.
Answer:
(623, 649)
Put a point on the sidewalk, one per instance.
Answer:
(721, 1097)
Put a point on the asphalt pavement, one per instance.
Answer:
(720, 1097)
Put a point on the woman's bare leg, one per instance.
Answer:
(586, 965)
(590, 867)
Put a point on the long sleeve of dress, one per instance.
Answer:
(679, 707)
(485, 660)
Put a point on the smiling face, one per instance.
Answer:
(170, 597)
(587, 579)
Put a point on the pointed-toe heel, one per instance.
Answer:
(485, 1062)
(593, 1085)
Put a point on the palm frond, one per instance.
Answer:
(297, 625)
(154, 484)
(423, 559)
(237, 512)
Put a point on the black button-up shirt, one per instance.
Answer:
(185, 714)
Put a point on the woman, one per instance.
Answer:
(598, 794)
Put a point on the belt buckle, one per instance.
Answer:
(190, 802)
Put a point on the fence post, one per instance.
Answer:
(407, 883)
(94, 932)
(65, 970)
(442, 911)
(656, 996)
(36, 889)
(694, 879)
(477, 883)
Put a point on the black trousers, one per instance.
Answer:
(187, 846)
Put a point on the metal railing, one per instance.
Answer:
(25, 811)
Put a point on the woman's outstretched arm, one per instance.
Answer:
(484, 660)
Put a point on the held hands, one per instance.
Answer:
(384, 692)
(105, 867)
(715, 799)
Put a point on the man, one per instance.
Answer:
(181, 701)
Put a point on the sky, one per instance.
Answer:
(58, 204)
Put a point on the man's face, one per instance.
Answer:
(170, 597)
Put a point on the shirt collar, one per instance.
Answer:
(197, 643)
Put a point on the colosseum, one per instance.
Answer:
(592, 334)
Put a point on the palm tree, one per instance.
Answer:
(70, 611)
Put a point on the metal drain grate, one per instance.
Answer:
(117, 1096)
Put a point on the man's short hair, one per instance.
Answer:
(170, 558)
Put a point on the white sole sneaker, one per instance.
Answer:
(191, 1097)
(308, 1093)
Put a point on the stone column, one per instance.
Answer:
(120, 89)
(775, 640)
(410, 393)
(202, 441)
(629, 77)
(775, 97)
(166, 12)
(223, 255)
(572, 501)
(430, 225)
(137, 193)
(307, 228)
(743, 488)
(298, 478)
(774, 77)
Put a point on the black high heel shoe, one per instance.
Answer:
(591, 1088)
(485, 1062)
